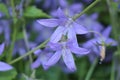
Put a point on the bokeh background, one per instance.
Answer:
(20, 32)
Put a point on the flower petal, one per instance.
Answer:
(2, 48)
(60, 13)
(76, 49)
(54, 59)
(55, 46)
(72, 36)
(4, 66)
(48, 22)
(56, 36)
(37, 52)
(79, 29)
(71, 33)
(76, 8)
(36, 63)
(106, 32)
(90, 43)
(63, 3)
(79, 50)
(68, 59)
(111, 42)
(22, 51)
(46, 56)
(94, 16)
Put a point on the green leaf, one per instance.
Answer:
(3, 9)
(8, 75)
(33, 12)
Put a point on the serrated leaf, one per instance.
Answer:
(3, 9)
(8, 75)
(33, 12)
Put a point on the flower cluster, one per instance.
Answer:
(69, 30)
(63, 41)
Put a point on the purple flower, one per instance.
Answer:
(115, 0)
(106, 39)
(19, 9)
(42, 58)
(2, 46)
(66, 26)
(1, 14)
(91, 23)
(1, 29)
(70, 10)
(4, 26)
(5, 66)
(43, 32)
(75, 8)
(20, 47)
(50, 4)
(53, 4)
(63, 3)
(88, 1)
(96, 43)
(65, 50)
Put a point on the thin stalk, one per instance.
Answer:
(86, 9)
(10, 51)
(30, 52)
(13, 11)
(27, 43)
(112, 77)
(89, 74)
(115, 27)
(27, 46)
(114, 21)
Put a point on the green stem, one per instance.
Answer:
(27, 46)
(13, 11)
(30, 52)
(114, 22)
(112, 77)
(115, 27)
(89, 74)
(26, 42)
(25, 38)
(86, 9)
(10, 51)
